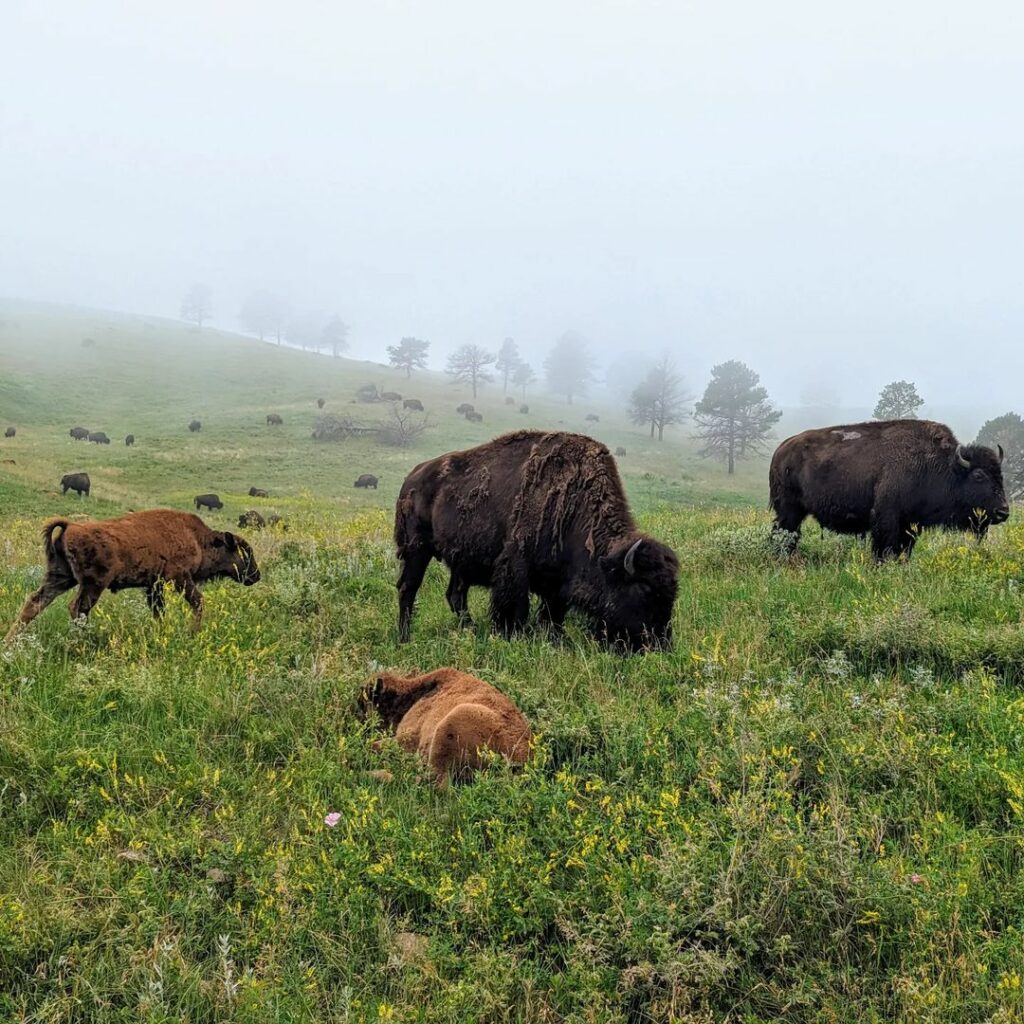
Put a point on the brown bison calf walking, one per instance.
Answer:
(450, 718)
(141, 549)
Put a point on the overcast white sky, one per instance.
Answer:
(827, 191)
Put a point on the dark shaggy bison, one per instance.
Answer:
(207, 501)
(195, 426)
(320, 403)
(620, 451)
(98, 437)
(591, 418)
(258, 492)
(10, 432)
(390, 396)
(524, 409)
(475, 417)
(273, 420)
(252, 519)
(79, 433)
(464, 408)
(129, 440)
(536, 512)
(367, 480)
(890, 479)
(510, 400)
(413, 403)
(78, 482)
(141, 549)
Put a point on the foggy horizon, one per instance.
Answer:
(831, 198)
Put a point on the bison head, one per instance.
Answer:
(640, 577)
(980, 473)
(232, 556)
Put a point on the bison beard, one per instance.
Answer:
(889, 478)
(141, 549)
(541, 513)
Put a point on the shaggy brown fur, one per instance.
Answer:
(450, 718)
(541, 513)
(142, 549)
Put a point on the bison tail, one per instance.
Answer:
(49, 542)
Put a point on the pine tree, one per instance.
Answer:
(569, 366)
(898, 401)
(507, 362)
(409, 354)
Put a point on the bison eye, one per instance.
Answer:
(978, 474)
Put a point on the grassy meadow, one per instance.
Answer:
(811, 809)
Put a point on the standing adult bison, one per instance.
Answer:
(542, 513)
(367, 480)
(10, 432)
(195, 426)
(210, 501)
(77, 482)
(273, 420)
(890, 479)
(79, 433)
(141, 549)
(413, 403)
(129, 440)
(98, 437)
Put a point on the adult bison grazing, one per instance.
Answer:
(195, 426)
(98, 437)
(475, 417)
(79, 433)
(258, 492)
(129, 440)
(210, 501)
(78, 482)
(141, 549)
(320, 403)
(252, 520)
(542, 513)
(413, 403)
(889, 479)
(367, 480)
(273, 420)
(10, 432)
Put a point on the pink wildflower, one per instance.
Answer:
(332, 819)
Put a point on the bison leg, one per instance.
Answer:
(88, 594)
(510, 594)
(787, 526)
(54, 584)
(458, 590)
(414, 566)
(155, 598)
(552, 611)
(188, 590)
(889, 538)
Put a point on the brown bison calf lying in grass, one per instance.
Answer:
(450, 718)
(142, 549)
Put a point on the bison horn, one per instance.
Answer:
(630, 561)
(966, 463)
(999, 448)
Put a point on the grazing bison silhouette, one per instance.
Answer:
(890, 479)
(542, 513)
(620, 451)
(475, 417)
(413, 403)
(591, 418)
(367, 480)
(10, 432)
(195, 426)
(390, 396)
(98, 437)
(258, 492)
(79, 433)
(273, 420)
(78, 482)
(463, 409)
(320, 403)
(129, 440)
(141, 549)
(524, 409)
(252, 519)
(510, 400)
(210, 501)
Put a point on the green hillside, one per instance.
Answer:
(810, 809)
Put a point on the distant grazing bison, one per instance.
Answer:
(464, 408)
(10, 432)
(320, 403)
(890, 479)
(78, 482)
(475, 417)
(258, 492)
(79, 433)
(367, 480)
(275, 520)
(273, 420)
(98, 437)
(129, 440)
(210, 501)
(620, 451)
(536, 512)
(450, 718)
(195, 426)
(591, 418)
(141, 549)
(510, 400)
(524, 409)
(390, 396)
(252, 519)
(413, 403)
